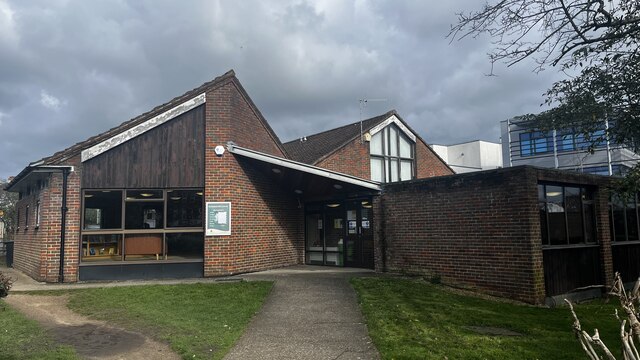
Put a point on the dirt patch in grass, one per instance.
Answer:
(91, 338)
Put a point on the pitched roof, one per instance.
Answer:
(320, 145)
(77, 148)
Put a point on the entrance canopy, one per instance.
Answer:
(307, 181)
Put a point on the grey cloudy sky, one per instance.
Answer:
(72, 69)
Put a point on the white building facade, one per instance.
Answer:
(471, 156)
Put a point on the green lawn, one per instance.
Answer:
(21, 338)
(410, 319)
(197, 320)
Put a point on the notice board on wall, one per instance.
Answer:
(218, 218)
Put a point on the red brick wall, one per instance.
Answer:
(478, 230)
(429, 164)
(352, 159)
(267, 224)
(37, 250)
(28, 246)
(247, 129)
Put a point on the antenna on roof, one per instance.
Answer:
(363, 103)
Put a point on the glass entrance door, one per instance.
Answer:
(339, 233)
(358, 250)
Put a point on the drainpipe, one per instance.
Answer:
(63, 221)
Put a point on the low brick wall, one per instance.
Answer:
(477, 230)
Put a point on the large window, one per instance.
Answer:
(392, 155)
(140, 225)
(567, 215)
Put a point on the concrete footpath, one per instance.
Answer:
(311, 313)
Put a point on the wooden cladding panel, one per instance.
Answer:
(567, 269)
(626, 260)
(171, 155)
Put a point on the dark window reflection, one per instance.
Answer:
(184, 208)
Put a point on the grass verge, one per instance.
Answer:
(197, 320)
(21, 338)
(410, 319)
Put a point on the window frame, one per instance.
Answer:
(123, 231)
(614, 238)
(387, 158)
(531, 140)
(583, 191)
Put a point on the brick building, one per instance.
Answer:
(202, 186)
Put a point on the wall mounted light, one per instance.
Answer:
(219, 150)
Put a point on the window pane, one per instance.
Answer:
(564, 141)
(387, 177)
(393, 141)
(376, 169)
(144, 194)
(144, 215)
(143, 247)
(375, 146)
(334, 235)
(394, 170)
(555, 209)
(405, 147)
(619, 223)
(632, 221)
(573, 203)
(406, 172)
(544, 230)
(184, 208)
(184, 246)
(102, 209)
(314, 226)
(525, 144)
(101, 247)
(589, 223)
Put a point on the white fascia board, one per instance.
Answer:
(140, 129)
(309, 169)
(393, 120)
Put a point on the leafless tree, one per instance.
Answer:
(629, 301)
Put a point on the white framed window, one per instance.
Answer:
(392, 155)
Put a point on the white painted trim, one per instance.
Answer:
(309, 169)
(142, 128)
(393, 119)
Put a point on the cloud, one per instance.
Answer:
(50, 101)
(72, 69)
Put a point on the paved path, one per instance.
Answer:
(311, 313)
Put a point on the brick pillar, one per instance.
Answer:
(603, 229)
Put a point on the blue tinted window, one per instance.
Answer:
(564, 141)
(535, 143)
